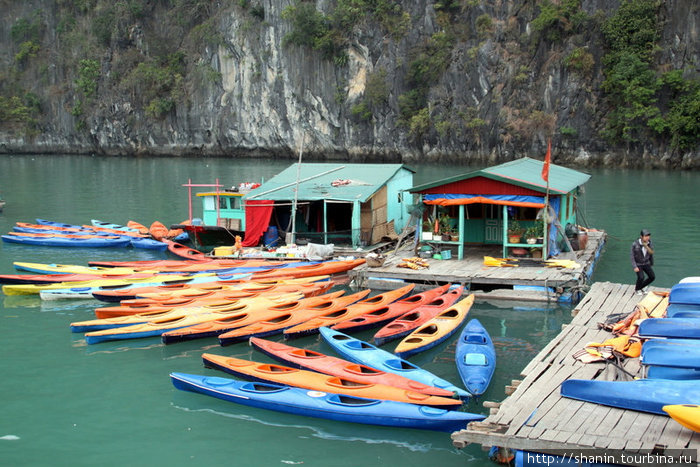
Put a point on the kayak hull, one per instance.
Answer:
(475, 357)
(322, 405)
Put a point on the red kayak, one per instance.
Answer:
(280, 323)
(178, 249)
(315, 361)
(158, 230)
(363, 306)
(404, 324)
(53, 278)
(393, 310)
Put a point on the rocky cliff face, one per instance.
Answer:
(454, 80)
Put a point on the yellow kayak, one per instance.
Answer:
(41, 268)
(33, 289)
(436, 330)
(687, 415)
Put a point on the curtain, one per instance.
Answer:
(257, 220)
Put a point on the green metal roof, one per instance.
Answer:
(525, 172)
(316, 181)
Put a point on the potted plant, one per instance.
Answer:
(534, 233)
(427, 233)
(514, 231)
(445, 225)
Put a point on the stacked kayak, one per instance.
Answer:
(686, 293)
(671, 358)
(475, 357)
(65, 241)
(684, 328)
(320, 404)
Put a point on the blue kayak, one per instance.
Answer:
(324, 405)
(668, 372)
(642, 395)
(366, 354)
(475, 357)
(687, 292)
(684, 328)
(672, 353)
(69, 242)
(148, 243)
(682, 310)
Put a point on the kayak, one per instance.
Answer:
(642, 395)
(277, 325)
(663, 352)
(213, 328)
(189, 290)
(325, 267)
(435, 331)
(688, 293)
(158, 230)
(109, 225)
(475, 357)
(680, 310)
(393, 310)
(404, 324)
(279, 374)
(178, 249)
(54, 268)
(140, 228)
(366, 354)
(687, 415)
(669, 372)
(148, 244)
(684, 328)
(363, 306)
(315, 361)
(37, 279)
(323, 405)
(235, 311)
(69, 242)
(241, 305)
(34, 289)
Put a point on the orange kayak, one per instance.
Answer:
(362, 307)
(319, 382)
(315, 361)
(158, 230)
(409, 321)
(213, 328)
(279, 324)
(143, 230)
(326, 267)
(385, 314)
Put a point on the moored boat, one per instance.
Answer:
(158, 230)
(684, 328)
(475, 357)
(404, 324)
(323, 405)
(69, 242)
(316, 361)
(436, 330)
(183, 251)
(279, 374)
(366, 354)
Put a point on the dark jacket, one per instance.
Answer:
(637, 254)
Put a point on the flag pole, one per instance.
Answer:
(545, 218)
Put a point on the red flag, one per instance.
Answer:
(547, 159)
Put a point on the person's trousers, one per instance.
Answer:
(645, 276)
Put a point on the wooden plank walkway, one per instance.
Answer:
(536, 418)
(485, 281)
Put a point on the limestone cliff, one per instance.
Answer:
(415, 80)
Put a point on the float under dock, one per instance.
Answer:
(534, 417)
(532, 281)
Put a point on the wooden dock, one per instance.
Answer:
(534, 417)
(547, 283)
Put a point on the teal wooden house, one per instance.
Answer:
(347, 204)
(502, 205)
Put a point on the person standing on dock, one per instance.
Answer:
(642, 256)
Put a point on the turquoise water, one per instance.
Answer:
(69, 404)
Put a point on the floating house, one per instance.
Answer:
(503, 205)
(348, 204)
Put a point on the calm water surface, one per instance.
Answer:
(69, 404)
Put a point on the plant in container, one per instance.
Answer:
(514, 231)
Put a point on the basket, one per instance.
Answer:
(375, 262)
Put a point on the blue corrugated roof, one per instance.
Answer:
(336, 181)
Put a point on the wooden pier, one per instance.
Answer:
(544, 283)
(534, 417)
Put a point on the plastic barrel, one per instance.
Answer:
(271, 237)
